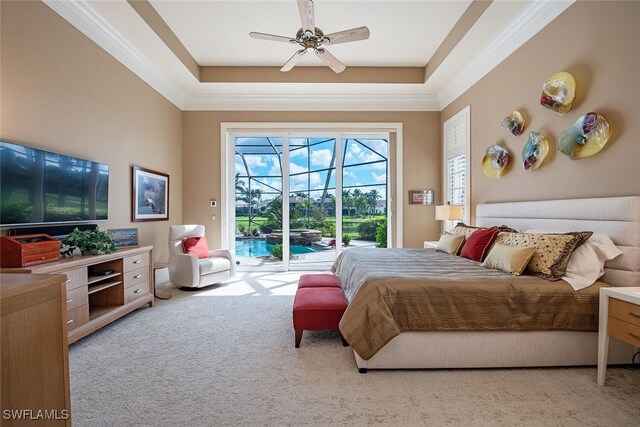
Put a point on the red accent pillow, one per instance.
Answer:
(478, 244)
(197, 246)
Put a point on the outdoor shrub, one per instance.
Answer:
(270, 225)
(242, 228)
(368, 228)
(346, 240)
(328, 230)
(255, 231)
(277, 251)
(381, 235)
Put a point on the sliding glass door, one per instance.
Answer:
(335, 189)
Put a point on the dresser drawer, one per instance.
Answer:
(133, 292)
(39, 258)
(77, 297)
(77, 316)
(76, 278)
(137, 277)
(135, 262)
(624, 311)
(624, 331)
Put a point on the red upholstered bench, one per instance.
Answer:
(319, 281)
(317, 307)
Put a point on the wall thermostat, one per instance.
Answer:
(214, 203)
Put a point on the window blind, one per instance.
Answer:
(456, 160)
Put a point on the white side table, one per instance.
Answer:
(430, 244)
(619, 318)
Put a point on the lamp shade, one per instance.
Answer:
(448, 212)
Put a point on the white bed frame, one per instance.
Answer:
(618, 217)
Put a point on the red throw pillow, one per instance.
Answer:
(197, 246)
(478, 244)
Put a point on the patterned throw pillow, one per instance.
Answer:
(467, 230)
(552, 250)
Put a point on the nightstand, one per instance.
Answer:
(619, 318)
(430, 244)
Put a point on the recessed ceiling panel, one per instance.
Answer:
(403, 33)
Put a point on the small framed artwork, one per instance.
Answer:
(150, 195)
(421, 197)
(124, 238)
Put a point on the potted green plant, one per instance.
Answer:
(89, 242)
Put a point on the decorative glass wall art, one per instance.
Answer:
(495, 161)
(559, 92)
(587, 137)
(535, 151)
(514, 123)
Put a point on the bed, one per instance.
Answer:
(560, 332)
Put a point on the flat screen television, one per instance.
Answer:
(41, 187)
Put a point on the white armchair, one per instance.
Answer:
(186, 270)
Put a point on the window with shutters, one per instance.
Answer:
(456, 161)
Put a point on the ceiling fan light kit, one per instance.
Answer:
(311, 39)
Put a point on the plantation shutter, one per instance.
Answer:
(456, 145)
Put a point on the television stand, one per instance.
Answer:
(95, 299)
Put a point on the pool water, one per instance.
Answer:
(259, 247)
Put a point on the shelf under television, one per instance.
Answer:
(102, 286)
(99, 310)
(95, 278)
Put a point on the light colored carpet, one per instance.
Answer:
(225, 356)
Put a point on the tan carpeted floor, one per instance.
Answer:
(225, 356)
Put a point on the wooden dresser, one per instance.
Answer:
(35, 359)
(102, 288)
(619, 318)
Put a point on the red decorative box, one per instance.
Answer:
(30, 249)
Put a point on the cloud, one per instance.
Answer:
(378, 179)
(348, 173)
(321, 158)
(302, 152)
(299, 182)
(275, 166)
(295, 168)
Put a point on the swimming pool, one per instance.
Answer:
(259, 247)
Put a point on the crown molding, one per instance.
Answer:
(87, 20)
(311, 102)
(526, 25)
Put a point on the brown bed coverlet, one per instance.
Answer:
(396, 290)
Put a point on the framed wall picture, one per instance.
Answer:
(124, 238)
(150, 195)
(421, 197)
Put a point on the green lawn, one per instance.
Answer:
(349, 224)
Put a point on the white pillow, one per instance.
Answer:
(586, 264)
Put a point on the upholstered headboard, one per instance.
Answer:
(618, 217)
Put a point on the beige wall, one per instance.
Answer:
(61, 92)
(598, 43)
(201, 160)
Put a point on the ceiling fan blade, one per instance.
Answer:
(352, 35)
(307, 15)
(293, 61)
(333, 62)
(271, 37)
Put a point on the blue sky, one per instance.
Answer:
(302, 161)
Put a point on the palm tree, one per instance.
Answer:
(372, 198)
(240, 185)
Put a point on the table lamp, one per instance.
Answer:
(448, 213)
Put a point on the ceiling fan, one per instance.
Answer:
(311, 38)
